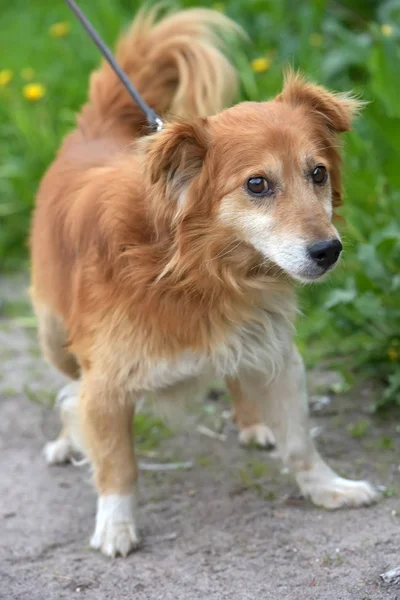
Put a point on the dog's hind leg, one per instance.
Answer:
(69, 443)
(248, 418)
(53, 341)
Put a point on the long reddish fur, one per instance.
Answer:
(110, 257)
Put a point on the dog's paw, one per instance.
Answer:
(68, 394)
(339, 492)
(115, 531)
(115, 538)
(58, 452)
(259, 434)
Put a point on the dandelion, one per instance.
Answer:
(34, 91)
(387, 30)
(28, 73)
(259, 65)
(59, 30)
(393, 354)
(6, 76)
(315, 40)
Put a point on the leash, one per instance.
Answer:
(155, 122)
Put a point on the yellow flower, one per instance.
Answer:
(59, 30)
(393, 354)
(315, 40)
(6, 76)
(387, 30)
(28, 73)
(219, 6)
(34, 91)
(261, 64)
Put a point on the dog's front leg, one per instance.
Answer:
(285, 407)
(106, 415)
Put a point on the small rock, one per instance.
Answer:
(319, 402)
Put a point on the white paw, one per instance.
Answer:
(258, 434)
(338, 492)
(58, 452)
(67, 393)
(115, 531)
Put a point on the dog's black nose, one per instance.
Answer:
(325, 254)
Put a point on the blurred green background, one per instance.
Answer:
(353, 320)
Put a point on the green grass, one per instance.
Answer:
(251, 475)
(359, 429)
(16, 308)
(354, 318)
(150, 432)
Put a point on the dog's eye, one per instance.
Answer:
(320, 175)
(258, 186)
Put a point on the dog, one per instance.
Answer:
(161, 260)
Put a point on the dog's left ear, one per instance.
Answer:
(177, 152)
(337, 110)
(333, 112)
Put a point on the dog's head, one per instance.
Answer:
(266, 174)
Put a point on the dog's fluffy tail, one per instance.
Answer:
(177, 66)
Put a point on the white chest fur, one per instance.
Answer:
(257, 346)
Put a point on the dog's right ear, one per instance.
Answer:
(175, 155)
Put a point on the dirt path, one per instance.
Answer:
(231, 527)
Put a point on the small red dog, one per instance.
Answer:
(161, 260)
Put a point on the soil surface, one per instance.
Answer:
(231, 527)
